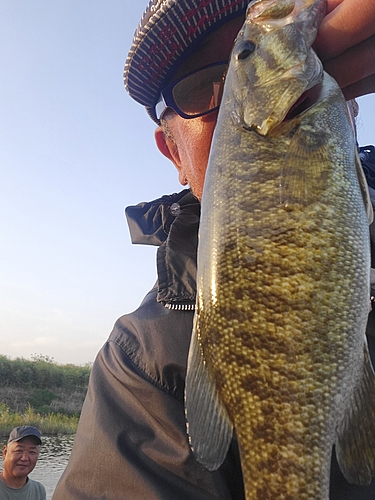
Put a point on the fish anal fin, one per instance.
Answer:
(355, 444)
(208, 425)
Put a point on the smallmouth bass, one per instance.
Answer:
(278, 350)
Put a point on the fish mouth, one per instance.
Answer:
(307, 100)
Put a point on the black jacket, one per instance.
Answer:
(131, 441)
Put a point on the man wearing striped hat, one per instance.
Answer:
(131, 441)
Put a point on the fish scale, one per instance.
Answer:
(278, 350)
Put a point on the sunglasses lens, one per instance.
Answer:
(201, 91)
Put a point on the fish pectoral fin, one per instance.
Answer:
(364, 188)
(208, 425)
(302, 177)
(355, 444)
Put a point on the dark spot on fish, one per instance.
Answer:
(239, 294)
(268, 408)
(234, 313)
(269, 59)
(256, 385)
(273, 466)
(244, 176)
(263, 431)
(313, 140)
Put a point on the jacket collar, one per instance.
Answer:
(172, 223)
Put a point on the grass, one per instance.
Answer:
(52, 423)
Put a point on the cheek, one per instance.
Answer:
(196, 136)
(200, 151)
(197, 142)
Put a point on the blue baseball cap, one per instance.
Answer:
(167, 34)
(23, 431)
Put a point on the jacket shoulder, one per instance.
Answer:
(156, 340)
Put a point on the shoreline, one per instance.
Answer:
(49, 424)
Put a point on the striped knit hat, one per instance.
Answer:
(168, 33)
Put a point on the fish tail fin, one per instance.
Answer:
(355, 445)
(208, 424)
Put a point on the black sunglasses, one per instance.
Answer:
(195, 94)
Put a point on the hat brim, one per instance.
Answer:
(28, 436)
(168, 32)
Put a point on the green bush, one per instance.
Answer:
(42, 373)
(41, 399)
(48, 424)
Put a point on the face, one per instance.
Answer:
(190, 147)
(20, 457)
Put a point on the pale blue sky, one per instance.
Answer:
(75, 150)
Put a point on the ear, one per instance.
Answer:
(169, 149)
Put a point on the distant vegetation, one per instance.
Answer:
(41, 392)
(51, 423)
(42, 373)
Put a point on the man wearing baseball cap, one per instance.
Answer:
(20, 456)
(131, 441)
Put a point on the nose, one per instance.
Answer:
(25, 457)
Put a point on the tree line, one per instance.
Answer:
(41, 372)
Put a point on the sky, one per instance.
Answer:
(75, 150)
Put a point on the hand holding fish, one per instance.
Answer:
(346, 45)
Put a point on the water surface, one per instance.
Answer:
(53, 458)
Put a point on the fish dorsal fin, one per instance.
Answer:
(208, 425)
(355, 444)
(364, 188)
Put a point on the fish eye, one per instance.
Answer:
(245, 49)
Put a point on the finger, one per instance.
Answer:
(348, 24)
(363, 87)
(332, 4)
(354, 64)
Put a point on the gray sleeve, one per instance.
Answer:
(131, 441)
